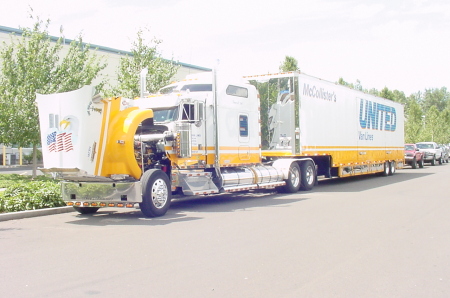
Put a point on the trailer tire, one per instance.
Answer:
(392, 168)
(293, 181)
(156, 193)
(86, 210)
(308, 175)
(386, 169)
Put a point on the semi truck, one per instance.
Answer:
(211, 134)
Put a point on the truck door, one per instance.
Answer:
(193, 127)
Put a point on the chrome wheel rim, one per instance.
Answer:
(309, 175)
(295, 176)
(159, 193)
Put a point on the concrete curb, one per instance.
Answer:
(34, 213)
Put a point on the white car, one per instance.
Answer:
(432, 152)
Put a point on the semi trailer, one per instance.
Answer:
(210, 134)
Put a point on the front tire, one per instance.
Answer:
(414, 164)
(293, 180)
(156, 194)
(433, 161)
(308, 175)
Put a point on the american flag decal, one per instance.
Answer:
(68, 146)
(51, 141)
(60, 142)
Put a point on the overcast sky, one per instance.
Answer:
(401, 44)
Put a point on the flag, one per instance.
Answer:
(51, 141)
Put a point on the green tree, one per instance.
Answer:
(386, 93)
(399, 96)
(34, 64)
(445, 120)
(289, 64)
(432, 125)
(342, 82)
(413, 122)
(143, 55)
(435, 97)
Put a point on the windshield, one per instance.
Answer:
(424, 146)
(166, 115)
(409, 147)
(197, 87)
(191, 87)
(168, 89)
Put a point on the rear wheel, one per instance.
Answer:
(386, 168)
(156, 194)
(308, 175)
(392, 168)
(293, 180)
(86, 210)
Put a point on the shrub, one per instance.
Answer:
(7, 179)
(26, 194)
(28, 158)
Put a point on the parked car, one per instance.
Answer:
(445, 153)
(413, 156)
(432, 152)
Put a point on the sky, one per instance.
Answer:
(400, 44)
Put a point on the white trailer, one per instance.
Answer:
(345, 131)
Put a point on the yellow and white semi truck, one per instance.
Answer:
(208, 135)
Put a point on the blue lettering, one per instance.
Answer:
(362, 122)
(393, 119)
(377, 116)
(370, 111)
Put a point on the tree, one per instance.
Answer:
(436, 97)
(160, 71)
(432, 125)
(342, 82)
(445, 120)
(289, 64)
(32, 64)
(386, 93)
(413, 122)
